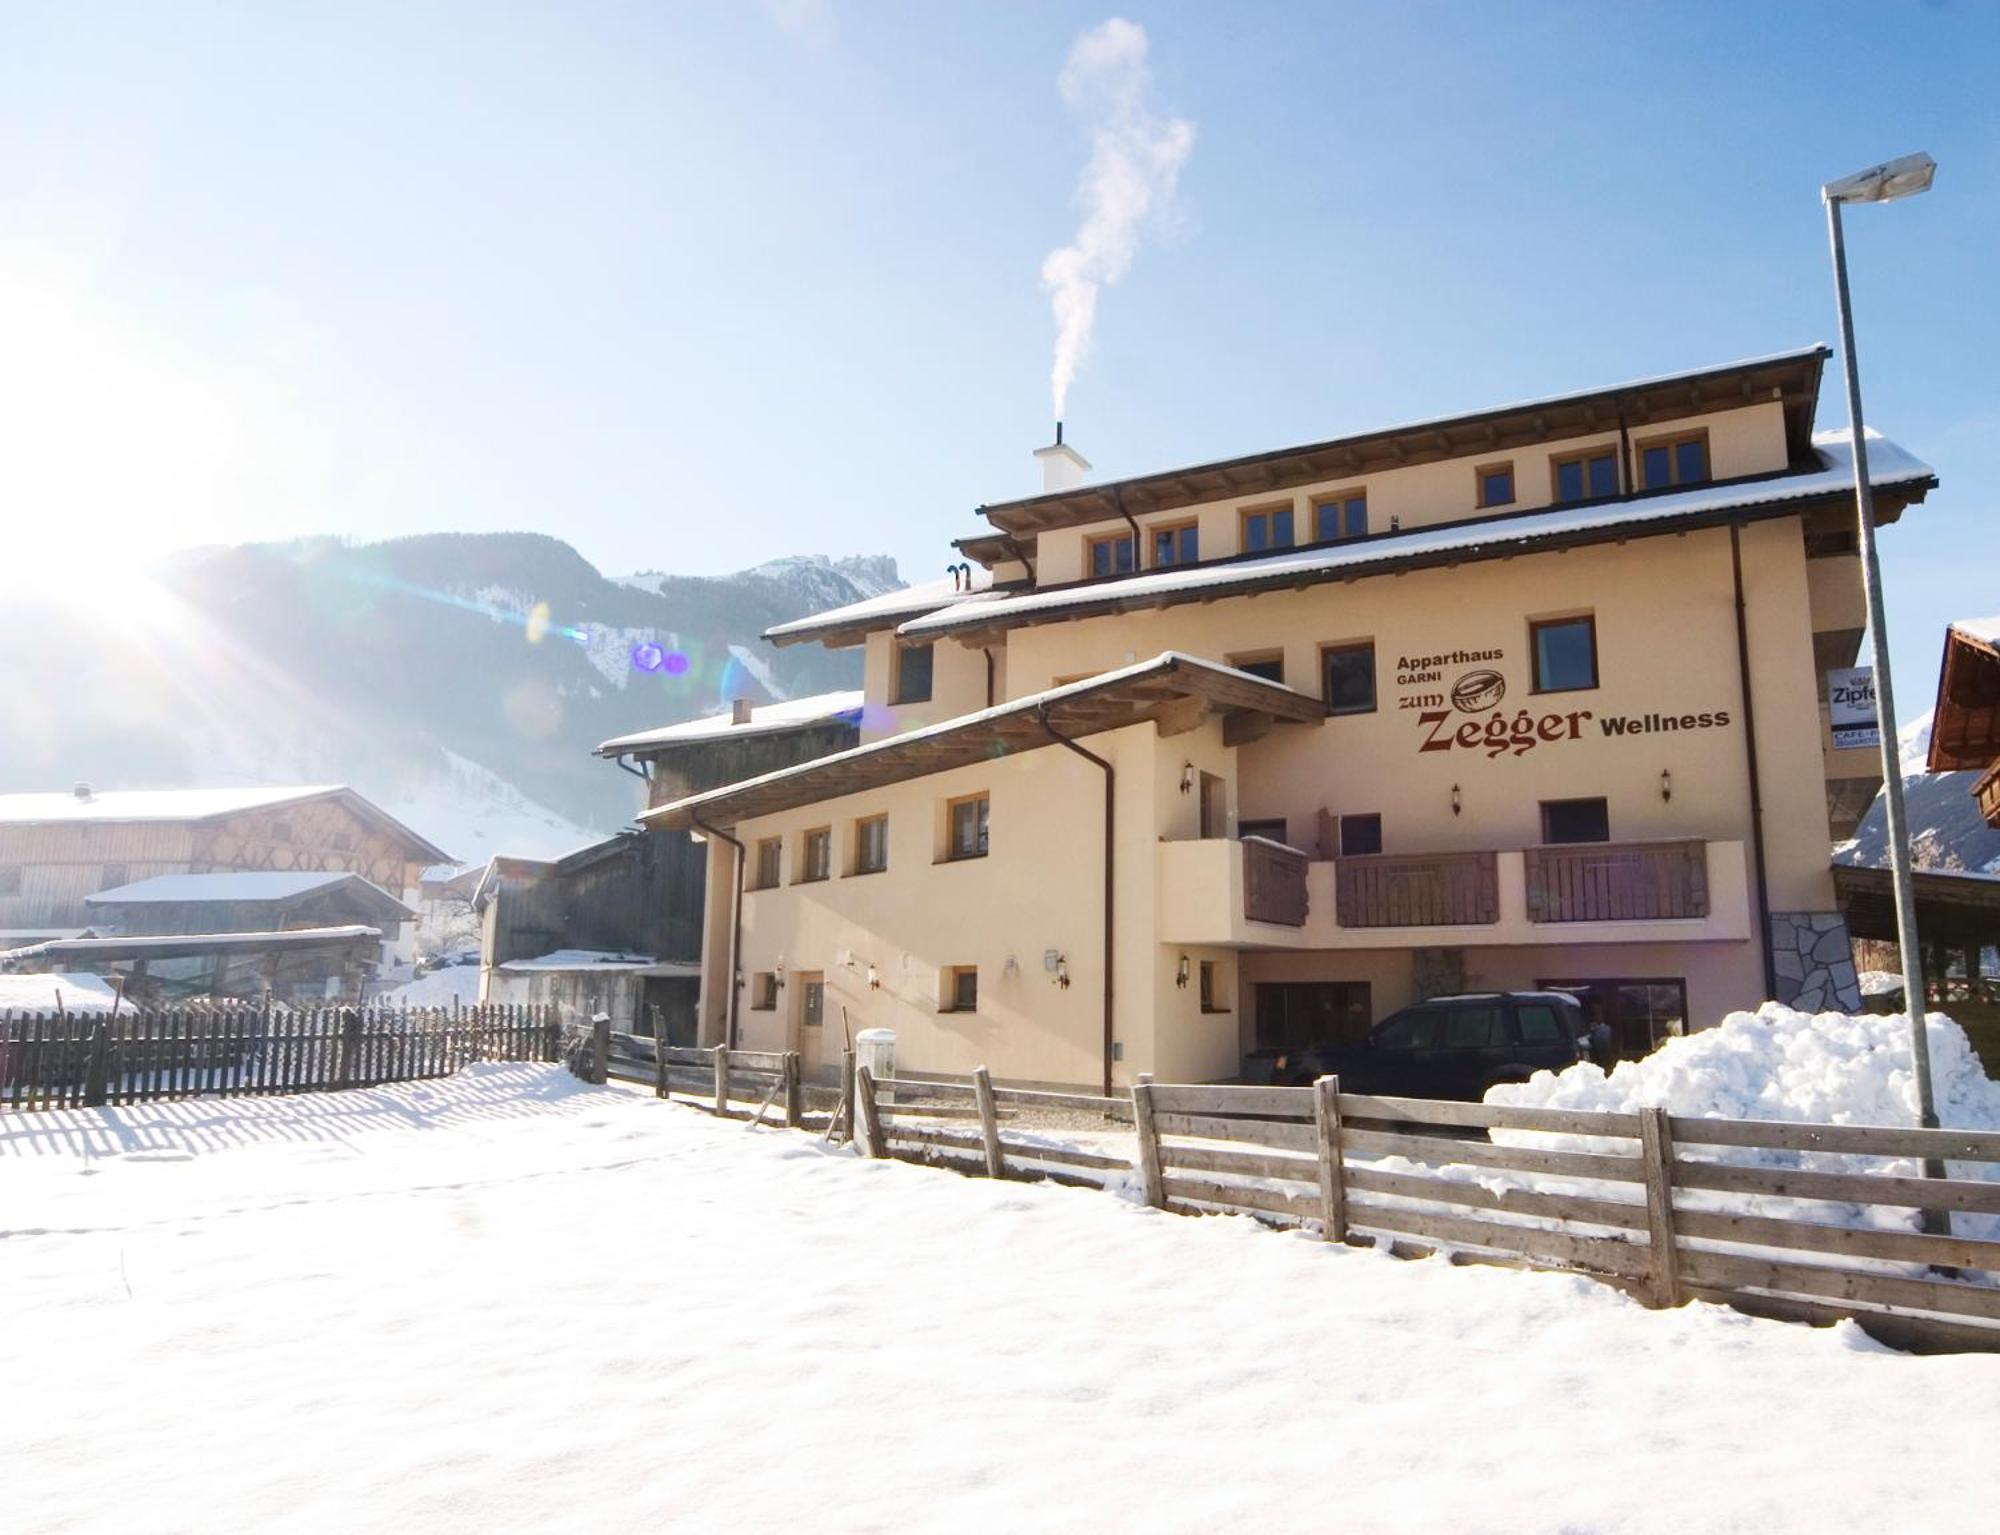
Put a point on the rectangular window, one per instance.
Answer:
(1303, 1015)
(1109, 556)
(1678, 460)
(1211, 995)
(769, 851)
(961, 989)
(763, 991)
(1176, 545)
(815, 855)
(1341, 515)
(1360, 835)
(967, 827)
(1587, 476)
(1349, 671)
(812, 1003)
(1564, 653)
(1275, 829)
(913, 674)
(1639, 1013)
(871, 845)
(1270, 665)
(1576, 820)
(1267, 528)
(1496, 484)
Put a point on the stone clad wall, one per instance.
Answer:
(1813, 958)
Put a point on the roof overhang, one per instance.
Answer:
(192, 945)
(1792, 379)
(1178, 691)
(1952, 907)
(1965, 723)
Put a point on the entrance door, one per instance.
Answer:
(809, 1033)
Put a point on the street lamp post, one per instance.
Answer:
(1884, 183)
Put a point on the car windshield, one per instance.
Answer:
(1416, 1029)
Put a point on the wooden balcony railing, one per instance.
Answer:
(1617, 881)
(1416, 890)
(1274, 882)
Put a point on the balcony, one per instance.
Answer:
(1256, 894)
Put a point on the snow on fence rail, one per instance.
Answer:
(1659, 1213)
(67, 1060)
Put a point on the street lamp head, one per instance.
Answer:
(1904, 177)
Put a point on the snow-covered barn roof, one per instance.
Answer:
(239, 886)
(851, 623)
(1479, 538)
(112, 805)
(765, 719)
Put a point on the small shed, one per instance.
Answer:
(245, 902)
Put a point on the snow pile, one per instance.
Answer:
(75, 993)
(1779, 1064)
(507, 1301)
(440, 988)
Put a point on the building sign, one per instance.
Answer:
(1850, 702)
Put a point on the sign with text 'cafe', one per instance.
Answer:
(1850, 706)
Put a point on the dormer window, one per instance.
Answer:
(1110, 556)
(1496, 484)
(1588, 476)
(1678, 460)
(1342, 515)
(1267, 528)
(1176, 545)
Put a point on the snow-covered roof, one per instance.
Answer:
(1888, 464)
(765, 719)
(150, 804)
(235, 885)
(182, 945)
(72, 992)
(1985, 630)
(600, 960)
(879, 612)
(1107, 701)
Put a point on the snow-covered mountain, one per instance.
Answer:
(1946, 831)
(460, 680)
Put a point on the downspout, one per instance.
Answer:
(735, 927)
(1138, 543)
(1750, 753)
(987, 651)
(639, 773)
(1110, 846)
(1628, 481)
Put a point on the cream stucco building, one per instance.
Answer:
(1245, 755)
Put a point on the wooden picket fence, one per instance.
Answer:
(1660, 1221)
(86, 1060)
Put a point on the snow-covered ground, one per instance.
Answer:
(437, 988)
(508, 1301)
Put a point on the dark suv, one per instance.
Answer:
(1457, 1047)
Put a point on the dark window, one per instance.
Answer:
(1341, 516)
(1564, 653)
(968, 828)
(1208, 1001)
(1674, 461)
(1575, 820)
(1111, 556)
(1415, 1028)
(1273, 828)
(1539, 1024)
(1587, 476)
(1176, 546)
(1268, 529)
(1360, 835)
(1350, 678)
(913, 674)
(1303, 1015)
(1496, 485)
(871, 845)
(1473, 1028)
(769, 850)
(763, 991)
(1639, 1013)
(816, 855)
(1270, 668)
(962, 989)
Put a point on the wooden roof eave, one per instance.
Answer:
(1965, 718)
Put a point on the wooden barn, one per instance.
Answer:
(56, 850)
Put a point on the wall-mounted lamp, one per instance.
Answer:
(1181, 973)
(874, 979)
(1057, 966)
(778, 973)
(1457, 802)
(1062, 974)
(1187, 778)
(1666, 784)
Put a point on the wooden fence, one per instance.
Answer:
(1666, 1218)
(914, 1118)
(83, 1060)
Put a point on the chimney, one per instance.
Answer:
(1063, 468)
(739, 711)
(82, 792)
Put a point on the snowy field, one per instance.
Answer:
(508, 1301)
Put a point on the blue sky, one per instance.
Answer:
(696, 285)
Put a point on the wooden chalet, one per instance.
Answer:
(1965, 725)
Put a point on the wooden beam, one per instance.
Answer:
(1242, 726)
(1181, 715)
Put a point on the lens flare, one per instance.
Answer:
(538, 622)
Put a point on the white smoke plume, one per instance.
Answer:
(1136, 157)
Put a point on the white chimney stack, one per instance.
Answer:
(1063, 468)
(739, 711)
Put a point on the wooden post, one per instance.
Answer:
(1332, 1183)
(847, 1090)
(794, 1099)
(1150, 1171)
(600, 1048)
(721, 1080)
(94, 1079)
(989, 1121)
(552, 1031)
(1656, 1143)
(659, 1052)
(350, 1047)
(871, 1122)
